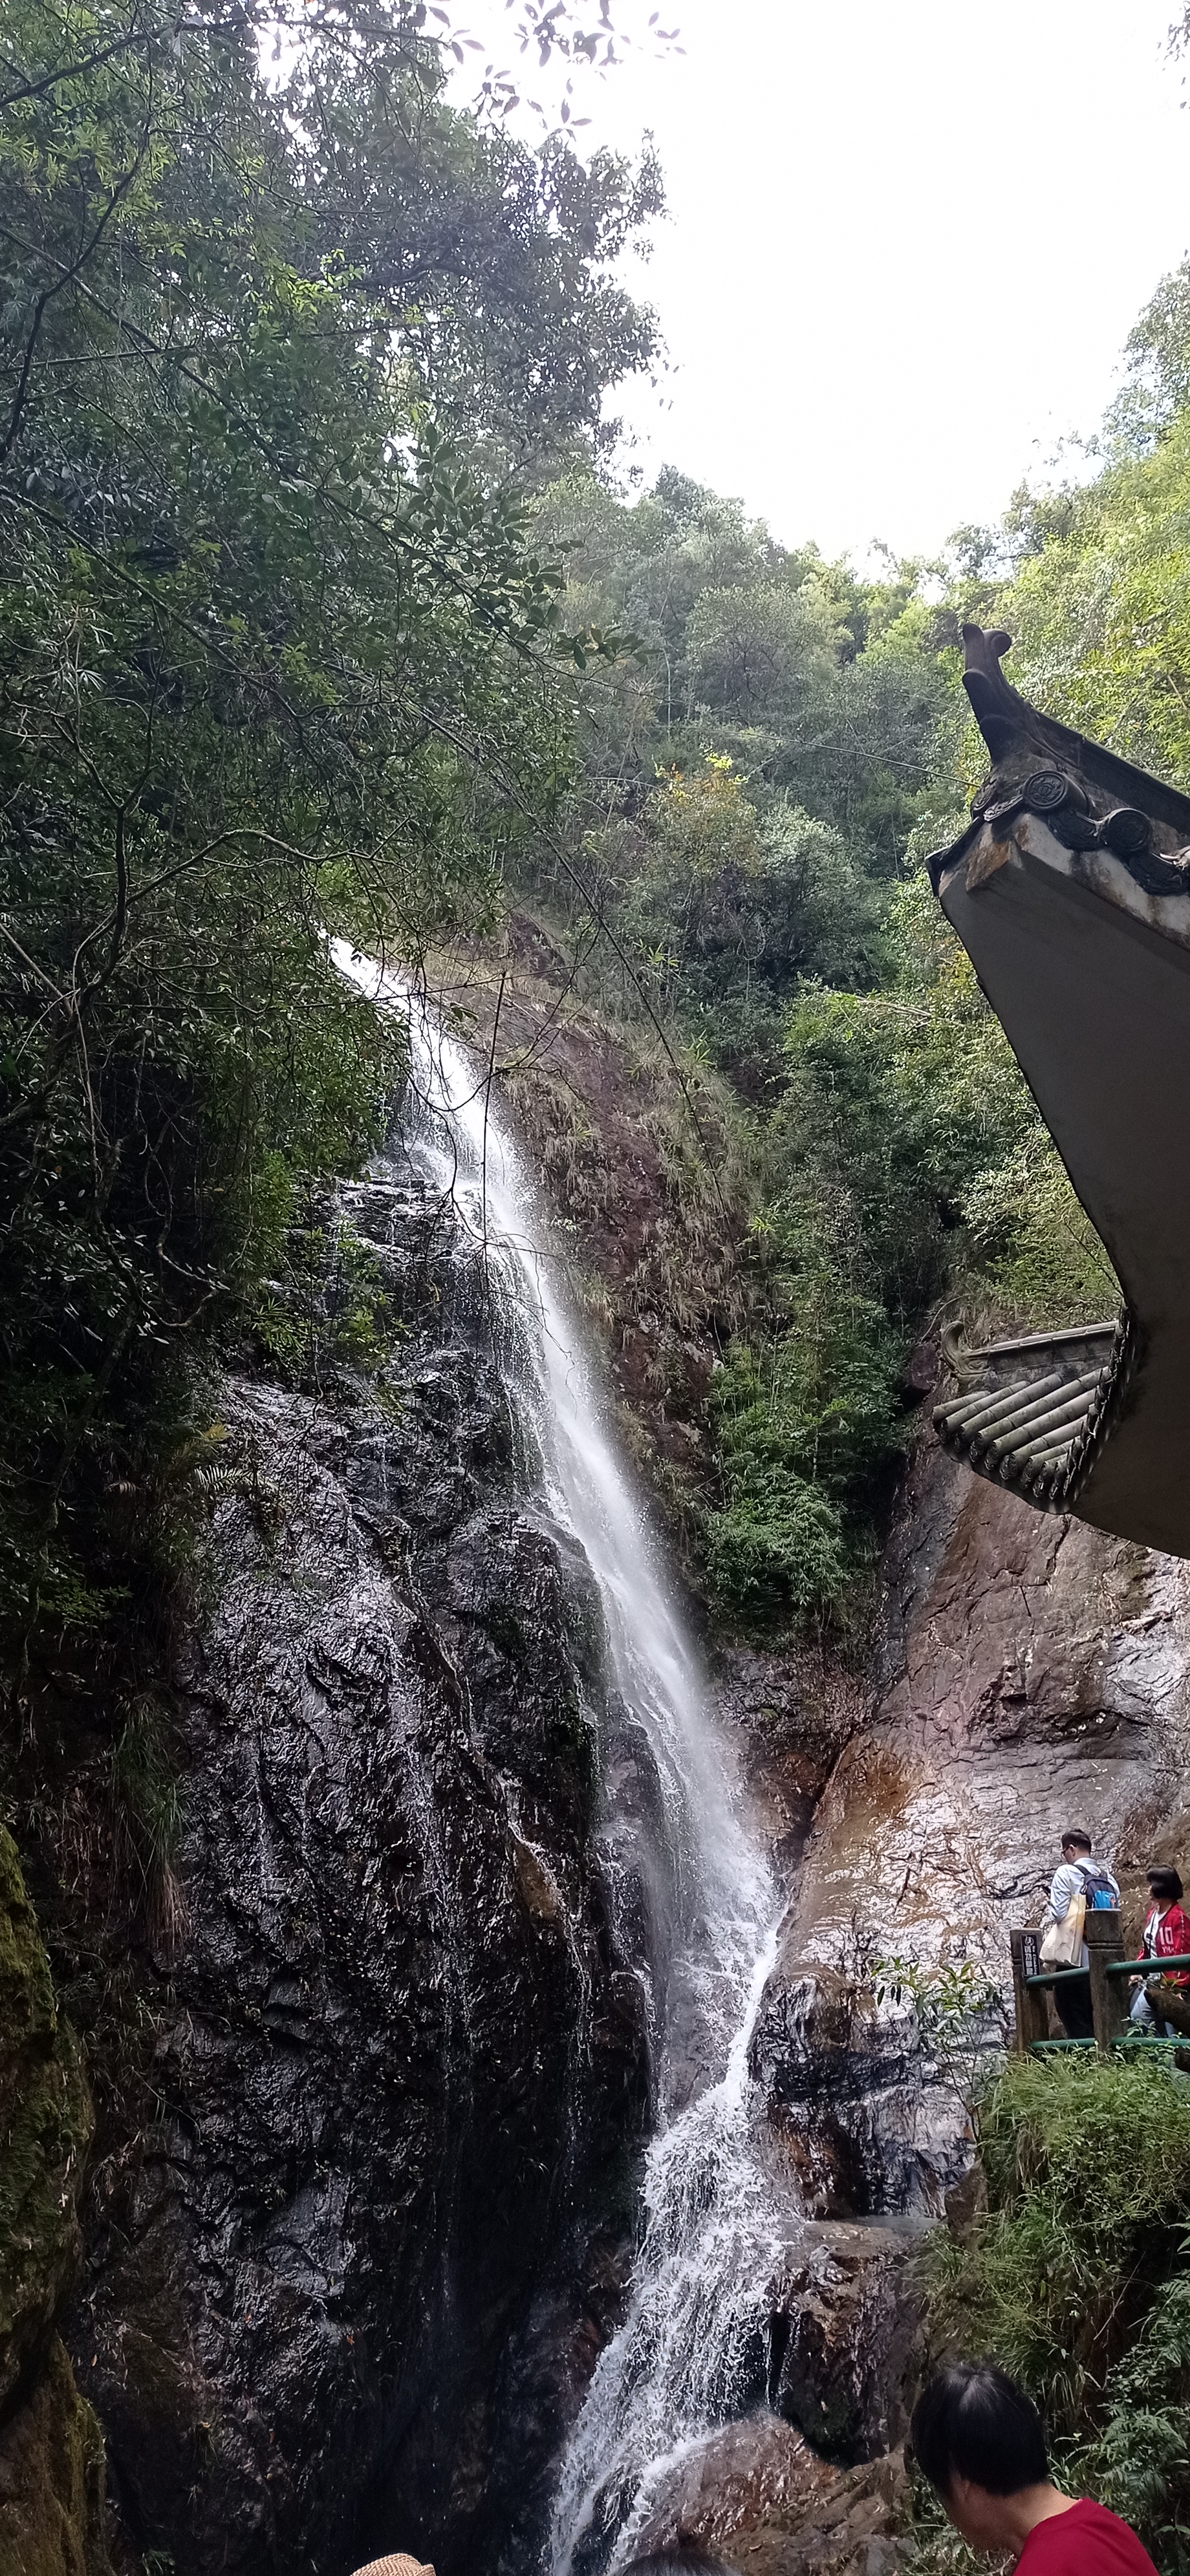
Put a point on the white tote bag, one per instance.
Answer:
(1062, 1943)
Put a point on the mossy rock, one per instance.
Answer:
(52, 2513)
(45, 2129)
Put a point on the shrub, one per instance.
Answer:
(778, 1550)
(1078, 2278)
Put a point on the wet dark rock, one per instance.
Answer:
(756, 2494)
(867, 2123)
(966, 2203)
(402, 2053)
(543, 2378)
(846, 2337)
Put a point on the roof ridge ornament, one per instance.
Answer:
(1015, 731)
(994, 701)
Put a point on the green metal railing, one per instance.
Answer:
(1115, 1968)
(1106, 1967)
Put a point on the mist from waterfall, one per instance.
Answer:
(712, 2228)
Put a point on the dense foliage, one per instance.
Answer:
(276, 653)
(293, 350)
(757, 792)
(1078, 2278)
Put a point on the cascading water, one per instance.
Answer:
(713, 2227)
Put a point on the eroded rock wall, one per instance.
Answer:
(344, 2291)
(334, 2292)
(1031, 1674)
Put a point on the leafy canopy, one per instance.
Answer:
(277, 653)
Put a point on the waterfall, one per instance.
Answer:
(687, 2350)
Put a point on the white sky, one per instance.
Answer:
(907, 241)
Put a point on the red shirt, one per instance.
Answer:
(1170, 1929)
(1087, 2541)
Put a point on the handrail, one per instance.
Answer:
(1122, 2039)
(1101, 1985)
(1146, 1967)
(1118, 1968)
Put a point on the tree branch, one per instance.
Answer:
(48, 293)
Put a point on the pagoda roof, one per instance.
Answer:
(1070, 890)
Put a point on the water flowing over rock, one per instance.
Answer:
(468, 1895)
(535, 2175)
(397, 1958)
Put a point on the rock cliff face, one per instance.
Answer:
(330, 2298)
(1031, 1674)
(345, 2290)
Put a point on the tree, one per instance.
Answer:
(275, 654)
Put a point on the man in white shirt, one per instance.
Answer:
(1082, 1875)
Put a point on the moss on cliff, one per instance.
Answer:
(45, 2125)
(52, 2516)
(51, 2449)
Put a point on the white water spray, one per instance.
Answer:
(712, 2225)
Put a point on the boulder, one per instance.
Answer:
(846, 2337)
(755, 2494)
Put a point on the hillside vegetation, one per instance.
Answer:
(278, 652)
(318, 607)
(1075, 2278)
(322, 610)
(759, 784)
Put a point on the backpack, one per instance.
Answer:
(1097, 1888)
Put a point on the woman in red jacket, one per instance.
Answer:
(1166, 1936)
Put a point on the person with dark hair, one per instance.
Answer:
(1166, 1936)
(981, 2443)
(1082, 1879)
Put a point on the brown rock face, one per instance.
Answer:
(794, 1712)
(755, 2493)
(1032, 1674)
(844, 2345)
